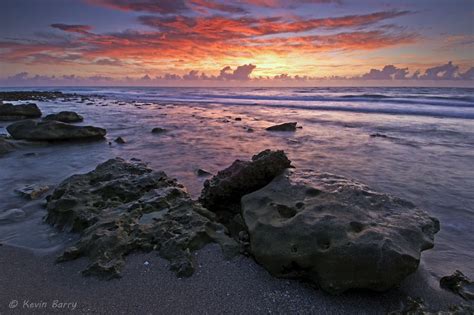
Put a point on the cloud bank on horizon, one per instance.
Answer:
(180, 41)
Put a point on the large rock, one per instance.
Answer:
(242, 177)
(65, 116)
(335, 232)
(16, 112)
(120, 207)
(53, 130)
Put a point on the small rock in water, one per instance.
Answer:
(51, 130)
(30, 154)
(238, 119)
(17, 112)
(460, 284)
(250, 129)
(33, 191)
(119, 140)
(201, 172)
(12, 215)
(146, 263)
(158, 130)
(65, 116)
(378, 135)
(290, 126)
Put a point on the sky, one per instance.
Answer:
(204, 42)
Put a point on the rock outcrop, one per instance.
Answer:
(32, 95)
(290, 126)
(53, 131)
(65, 116)
(120, 207)
(335, 232)
(17, 112)
(242, 177)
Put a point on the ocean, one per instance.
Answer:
(414, 143)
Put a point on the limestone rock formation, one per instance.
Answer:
(120, 207)
(335, 232)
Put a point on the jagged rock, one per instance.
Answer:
(6, 146)
(242, 177)
(120, 207)
(65, 116)
(158, 130)
(33, 191)
(16, 112)
(290, 126)
(335, 232)
(53, 131)
(459, 284)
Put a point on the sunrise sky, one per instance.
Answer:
(212, 40)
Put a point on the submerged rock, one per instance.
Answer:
(53, 130)
(65, 116)
(12, 215)
(335, 232)
(242, 177)
(120, 207)
(33, 191)
(459, 284)
(6, 146)
(289, 126)
(16, 112)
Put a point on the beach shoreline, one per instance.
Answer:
(202, 138)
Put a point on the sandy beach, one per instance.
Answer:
(218, 286)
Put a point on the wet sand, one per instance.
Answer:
(218, 286)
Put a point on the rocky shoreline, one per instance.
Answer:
(297, 223)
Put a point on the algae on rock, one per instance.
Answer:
(120, 207)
